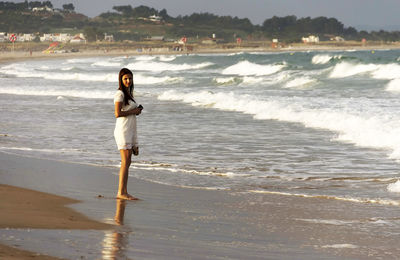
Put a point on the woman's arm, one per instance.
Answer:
(119, 113)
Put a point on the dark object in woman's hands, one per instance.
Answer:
(140, 106)
(135, 150)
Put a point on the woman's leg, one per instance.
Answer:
(124, 174)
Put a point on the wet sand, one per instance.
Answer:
(182, 223)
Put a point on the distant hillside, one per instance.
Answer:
(142, 22)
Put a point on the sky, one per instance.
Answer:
(361, 14)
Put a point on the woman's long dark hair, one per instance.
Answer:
(121, 87)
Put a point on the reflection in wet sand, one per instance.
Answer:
(115, 241)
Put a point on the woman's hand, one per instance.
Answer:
(119, 113)
(137, 111)
(135, 150)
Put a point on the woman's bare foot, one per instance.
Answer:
(126, 197)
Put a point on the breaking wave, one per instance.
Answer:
(324, 58)
(162, 66)
(246, 68)
(361, 130)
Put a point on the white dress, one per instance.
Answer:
(125, 133)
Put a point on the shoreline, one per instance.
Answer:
(175, 222)
(18, 55)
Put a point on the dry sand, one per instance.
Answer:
(23, 208)
(26, 208)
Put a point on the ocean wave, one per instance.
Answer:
(252, 80)
(301, 82)
(346, 69)
(166, 58)
(393, 85)
(151, 166)
(20, 71)
(149, 80)
(227, 80)
(377, 71)
(387, 71)
(68, 75)
(379, 201)
(340, 246)
(106, 64)
(335, 222)
(145, 58)
(89, 94)
(361, 130)
(246, 68)
(324, 58)
(162, 66)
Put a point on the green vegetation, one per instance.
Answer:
(134, 24)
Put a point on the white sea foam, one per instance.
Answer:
(26, 72)
(90, 94)
(324, 58)
(163, 66)
(301, 82)
(68, 68)
(341, 246)
(330, 197)
(142, 79)
(176, 169)
(329, 221)
(394, 187)
(377, 71)
(227, 80)
(393, 85)
(145, 58)
(167, 58)
(346, 69)
(252, 80)
(246, 68)
(81, 60)
(106, 64)
(235, 53)
(386, 71)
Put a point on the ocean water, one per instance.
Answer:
(309, 124)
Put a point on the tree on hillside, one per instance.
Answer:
(125, 10)
(69, 7)
(9, 6)
(93, 33)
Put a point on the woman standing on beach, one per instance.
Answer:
(125, 134)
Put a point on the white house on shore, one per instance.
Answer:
(108, 37)
(44, 8)
(310, 39)
(78, 39)
(155, 18)
(3, 36)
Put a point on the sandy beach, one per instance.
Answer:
(56, 209)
